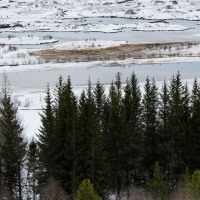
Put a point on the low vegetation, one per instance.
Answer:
(121, 52)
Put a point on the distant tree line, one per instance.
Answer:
(114, 140)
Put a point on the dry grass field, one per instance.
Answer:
(121, 52)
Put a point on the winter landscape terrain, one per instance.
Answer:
(166, 32)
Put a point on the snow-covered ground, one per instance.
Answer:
(87, 44)
(13, 40)
(114, 28)
(68, 15)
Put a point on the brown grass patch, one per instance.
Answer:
(144, 50)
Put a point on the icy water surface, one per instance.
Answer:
(125, 35)
(80, 76)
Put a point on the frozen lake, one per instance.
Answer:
(80, 76)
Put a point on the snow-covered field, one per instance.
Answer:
(87, 44)
(13, 40)
(69, 15)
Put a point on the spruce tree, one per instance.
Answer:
(101, 166)
(164, 128)
(86, 191)
(132, 137)
(13, 146)
(100, 99)
(195, 128)
(57, 135)
(150, 126)
(68, 118)
(34, 173)
(193, 189)
(157, 186)
(47, 140)
(89, 139)
(179, 119)
(114, 142)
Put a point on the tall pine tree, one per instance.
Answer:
(164, 148)
(13, 146)
(47, 140)
(150, 126)
(132, 137)
(34, 175)
(114, 142)
(194, 138)
(179, 127)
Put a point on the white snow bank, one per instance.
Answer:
(70, 26)
(111, 28)
(87, 44)
(26, 40)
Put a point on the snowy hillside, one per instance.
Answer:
(58, 15)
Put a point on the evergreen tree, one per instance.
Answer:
(114, 142)
(57, 138)
(186, 181)
(47, 140)
(60, 111)
(132, 137)
(150, 126)
(194, 139)
(34, 175)
(179, 119)
(101, 166)
(86, 191)
(91, 156)
(193, 189)
(100, 99)
(68, 136)
(157, 187)
(164, 128)
(13, 146)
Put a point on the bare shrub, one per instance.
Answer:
(26, 102)
(47, 37)
(133, 193)
(174, 2)
(14, 64)
(178, 195)
(12, 48)
(21, 55)
(11, 36)
(17, 101)
(4, 193)
(53, 190)
(2, 45)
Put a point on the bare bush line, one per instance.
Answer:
(121, 52)
(136, 193)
